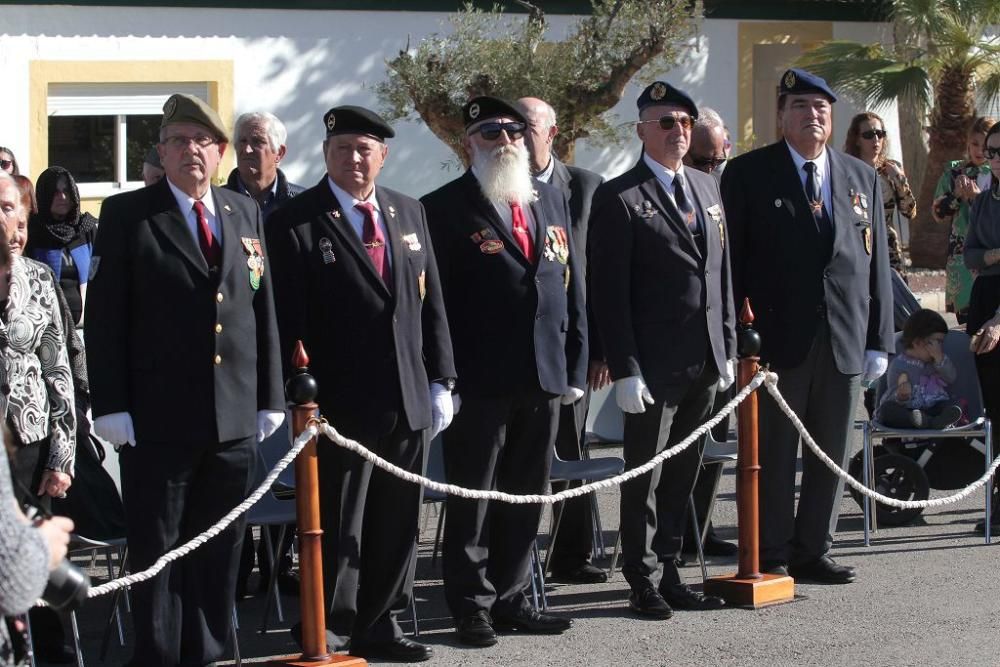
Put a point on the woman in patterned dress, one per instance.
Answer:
(958, 186)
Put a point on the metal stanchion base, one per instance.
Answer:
(752, 593)
(301, 661)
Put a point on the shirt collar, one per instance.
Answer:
(243, 186)
(343, 196)
(800, 161)
(545, 175)
(664, 173)
(185, 202)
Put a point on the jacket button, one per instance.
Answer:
(219, 297)
(826, 273)
(218, 359)
(218, 328)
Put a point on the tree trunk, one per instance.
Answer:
(912, 118)
(952, 115)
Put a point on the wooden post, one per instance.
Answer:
(301, 392)
(748, 587)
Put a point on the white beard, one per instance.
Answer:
(504, 175)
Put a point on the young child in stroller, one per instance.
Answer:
(918, 378)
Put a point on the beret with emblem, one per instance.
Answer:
(798, 81)
(349, 119)
(181, 108)
(485, 107)
(661, 92)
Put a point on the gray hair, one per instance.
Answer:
(275, 129)
(708, 118)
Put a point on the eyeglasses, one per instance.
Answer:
(992, 152)
(179, 142)
(6, 164)
(701, 162)
(871, 134)
(668, 122)
(491, 131)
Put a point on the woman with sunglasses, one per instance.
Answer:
(8, 162)
(868, 141)
(958, 186)
(982, 256)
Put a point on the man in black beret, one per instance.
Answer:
(809, 251)
(356, 281)
(515, 305)
(659, 272)
(182, 352)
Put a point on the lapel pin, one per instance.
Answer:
(392, 211)
(777, 203)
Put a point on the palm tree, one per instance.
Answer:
(947, 58)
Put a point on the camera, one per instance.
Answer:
(67, 587)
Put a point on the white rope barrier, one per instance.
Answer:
(220, 525)
(771, 383)
(544, 499)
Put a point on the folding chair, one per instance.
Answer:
(965, 390)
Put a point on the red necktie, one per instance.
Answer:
(374, 242)
(521, 234)
(209, 245)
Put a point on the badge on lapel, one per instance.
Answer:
(866, 235)
(859, 203)
(422, 284)
(644, 210)
(255, 260)
(556, 245)
(326, 251)
(715, 213)
(491, 246)
(392, 211)
(411, 242)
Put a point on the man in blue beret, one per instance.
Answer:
(662, 299)
(809, 251)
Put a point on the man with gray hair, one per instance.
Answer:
(260, 147)
(708, 143)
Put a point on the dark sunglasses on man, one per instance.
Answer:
(710, 162)
(491, 131)
(871, 134)
(668, 122)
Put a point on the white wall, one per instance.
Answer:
(298, 64)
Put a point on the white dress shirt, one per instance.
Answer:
(356, 219)
(822, 174)
(185, 204)
(665, 175)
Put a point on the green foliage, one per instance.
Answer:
(581, 75)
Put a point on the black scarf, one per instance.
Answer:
(44, 231)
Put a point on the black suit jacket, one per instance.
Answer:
(663, 302)
(791, 286)
(515, 324)
(373, 350)
(192, 354)
(579, 186)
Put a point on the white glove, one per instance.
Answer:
(442, 408)
(728, 376)
(632, 394)
(268, 422)
(571, 396)
(876, 364)
(116, 428)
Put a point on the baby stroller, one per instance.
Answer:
(908, 466)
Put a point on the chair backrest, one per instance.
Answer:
(965, 391)
(271, 450)
(435, 459)
(605, 419)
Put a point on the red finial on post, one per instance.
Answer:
(299, 357)
(746, 314)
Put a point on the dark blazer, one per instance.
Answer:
(515, 324)
(579, 186)
(192, 354)
(373, 350)
(662, 301)
(792, 283)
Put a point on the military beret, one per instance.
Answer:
(798, 81)
(661, 92)
(350, 119)
(153, 157)
(485, 107)
(180, 108)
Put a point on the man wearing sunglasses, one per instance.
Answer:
(514, 296)
(708, 143)
(661, 297)
(810, 252)
(570, 556)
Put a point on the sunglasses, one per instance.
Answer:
(712, 162)
(992, 153)
(871, 134)
(6, 164)
(668, 122)
(491, 131)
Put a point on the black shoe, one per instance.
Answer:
(400, 649)
(716, 546)
(994, 526)
(682, 596)
(476, 630)
(530, 621)
(289, 583)
(948, 418)
(648, 602)
(584, 574)
(58, 653)
(823, 570)
(774, 567)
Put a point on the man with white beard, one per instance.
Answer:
(516, 312)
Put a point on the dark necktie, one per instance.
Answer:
(374, 242)
(521, 234)
(815, 196)
(206, 240)
(684, 204)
